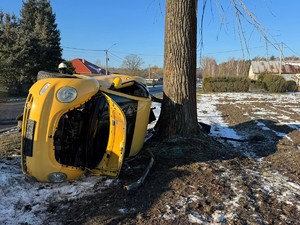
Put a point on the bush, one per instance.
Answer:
(291, 86)
(273, 83)
(257, 85)
(225, 84)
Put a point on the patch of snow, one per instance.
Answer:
(169, 215)
(294, 186)
(192, 198)
(110, 182)
(278, 134)
(172, 212)
(126, 211)
(293, 126)
(26, 201)
(277, 185)
(219, 217)
(261, 113)
(156, 106)
(283, 217)
(208, 113)
(284, 117)
(196, 218)
(213, 117)
(270, 183)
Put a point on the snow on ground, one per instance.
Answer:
(268, 182)
(208, 114)
(26, 201)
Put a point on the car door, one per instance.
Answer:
(111, 163)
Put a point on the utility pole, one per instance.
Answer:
(280, 65)
(107, 59)
(149, 72)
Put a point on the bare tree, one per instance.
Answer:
(208, 66)
(132, 63)
(230, 68)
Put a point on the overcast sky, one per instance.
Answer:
(137, 27)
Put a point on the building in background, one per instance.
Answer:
(83, 66)
(289, 70)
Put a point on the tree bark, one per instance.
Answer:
(179, 110)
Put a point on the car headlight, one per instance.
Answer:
(66, 94)
(44, 88)
(57, 177)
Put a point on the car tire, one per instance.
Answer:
(44, 74)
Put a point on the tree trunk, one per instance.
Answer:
(179, 110)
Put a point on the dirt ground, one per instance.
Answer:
(203, 180)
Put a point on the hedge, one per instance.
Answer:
(226, 84)
(273, 83)
(265, 82)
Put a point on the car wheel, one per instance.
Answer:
(43, 75)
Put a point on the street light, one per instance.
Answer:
(106, 54)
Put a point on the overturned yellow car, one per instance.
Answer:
(73, 124)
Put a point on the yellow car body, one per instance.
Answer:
(73, 124)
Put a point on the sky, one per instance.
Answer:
(90, 27)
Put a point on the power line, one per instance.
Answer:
(82, 49)
(103, 50)
(116, 56)
(229, 51)
(83, 52)
(141, 54)
(292, 50)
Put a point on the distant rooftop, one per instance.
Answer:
(83, 66)
(259, 67)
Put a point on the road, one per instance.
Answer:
(9, 111)
(156, 89)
